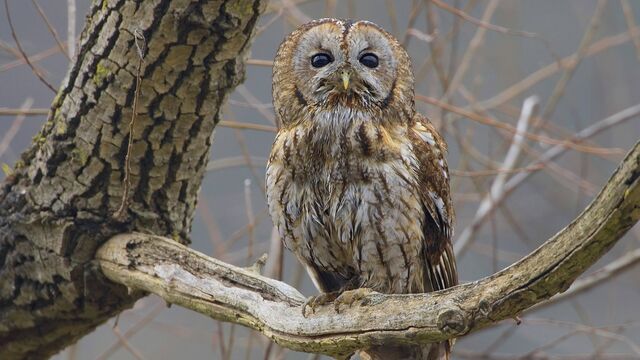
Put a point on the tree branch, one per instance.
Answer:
(225, 292)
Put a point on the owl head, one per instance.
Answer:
(331, 63)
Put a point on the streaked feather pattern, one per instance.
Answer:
(357, 181)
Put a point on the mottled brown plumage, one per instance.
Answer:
(357, 181)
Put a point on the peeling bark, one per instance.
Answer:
(57, 207)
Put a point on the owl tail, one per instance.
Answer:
(439, 351)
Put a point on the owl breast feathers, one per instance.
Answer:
(357, 181)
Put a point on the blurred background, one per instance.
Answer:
(520, 174)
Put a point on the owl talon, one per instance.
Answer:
(350, 297)
(314, 302)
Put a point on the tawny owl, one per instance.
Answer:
(357, 181)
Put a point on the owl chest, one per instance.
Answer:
(332, 210)
(330, 205)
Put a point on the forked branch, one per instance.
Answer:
(188, 278)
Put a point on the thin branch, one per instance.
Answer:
(471, 115)
(133, 351)
(71, 27)
(631, 24)
(528, 109)
(236, 161)
(465, 238)
(259, 62)
(140, 43)
(251, 99)
(474, 44)
(497, 187)
(561, 85)
(609, 271)
(566, 62)
(481, 23)
(33, 58)
(21, 50)
(247, 126)
(294, 12)
(188, 278)
(23, 112)
(10, 135)
(52, 30)
(135, 328)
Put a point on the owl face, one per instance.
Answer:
(333, 62)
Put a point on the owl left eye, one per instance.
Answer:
(321, 59)
(369, 60)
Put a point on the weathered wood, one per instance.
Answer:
(57, 208)
(222, 291)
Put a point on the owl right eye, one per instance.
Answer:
(321, 59)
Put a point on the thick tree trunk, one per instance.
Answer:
(58, 206)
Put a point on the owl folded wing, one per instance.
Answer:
(433, 174)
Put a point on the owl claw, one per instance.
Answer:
(314, 302)
(350, 297)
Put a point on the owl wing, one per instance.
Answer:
(433, 179)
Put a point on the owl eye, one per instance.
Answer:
(321, 59)
(369, 60)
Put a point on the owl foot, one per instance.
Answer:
(350, 297)
(314, 302)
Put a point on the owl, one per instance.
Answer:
(357, 181)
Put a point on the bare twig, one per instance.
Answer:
(248, 204)
(71, 27)
(21, 50)
(558, 90)
(251, 99)
(416, 6)
(140, 43)
(236, 161)
(133, 351)
(259, 62)
(566, 62)
(474, 44)
(23, 112)
(15, 126)
(247, 126)
(52, 30)
(465, 238)
(497, 188)
(134, 329)
(294, 12)
(504, 126)
(21, 60)
(606, 273)
(481, 23)
(631, 24)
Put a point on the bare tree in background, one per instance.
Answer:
(126, 145)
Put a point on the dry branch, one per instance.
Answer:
(225, 292)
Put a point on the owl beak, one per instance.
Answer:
(345, 79)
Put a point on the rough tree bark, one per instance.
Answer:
(58, 206)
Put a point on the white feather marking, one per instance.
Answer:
(439, 274)
(444, 170)
(425, 134)
(314, 277)
(445, 257)
(439, 205)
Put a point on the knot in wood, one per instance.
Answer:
(451, 322)
(484, 307)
